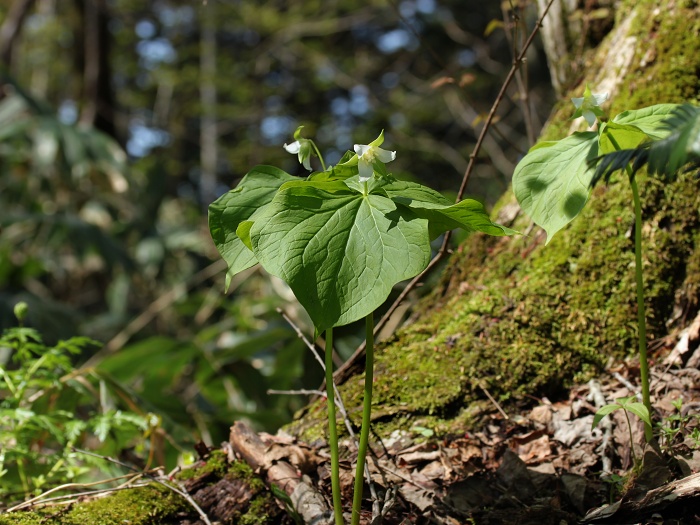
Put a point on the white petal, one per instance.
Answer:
(293, 148)
(600, 98)
(384, 155)
(366, 170)
(361, 149)
(577, 102)
(590, 117)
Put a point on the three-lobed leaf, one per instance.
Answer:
(342, 245)
(340, 251)
(553, 181)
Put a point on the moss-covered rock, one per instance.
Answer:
(516, 318)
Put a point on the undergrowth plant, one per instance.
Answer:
(47, 407)
(627, 405)
(679, 428)
(553, 181)
(341, 239)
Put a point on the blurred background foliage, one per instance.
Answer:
(121, 120)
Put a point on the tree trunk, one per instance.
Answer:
(98, 109)
(10, 29)
(209, 134)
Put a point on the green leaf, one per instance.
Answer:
(649, 120)
(468, 214)
(341, 252)
(604, 411)
(543, 144)
(253, 193)
(102, 425)
(614, 137)
(552, 183)
(639, 410)
(665, 156)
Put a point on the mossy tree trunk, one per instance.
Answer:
(515, 318)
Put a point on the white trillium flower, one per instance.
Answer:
(367, 155)
(588, 106)
(293, 148)
(303, 151)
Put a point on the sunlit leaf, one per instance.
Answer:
(252, 194)
(340, 251)
(678, 146)
(552, 183)
(649, 120)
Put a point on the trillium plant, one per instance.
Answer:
(553, 181)
(341, 239)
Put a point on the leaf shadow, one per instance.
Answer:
(574, 203)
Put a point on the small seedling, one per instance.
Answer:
(628, 405)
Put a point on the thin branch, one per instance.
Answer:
(342, 372)
(498, 407)
(175, 488)
(41, 498)
(301, 392)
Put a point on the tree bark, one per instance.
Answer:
(209, 134)
(11, 28)
(99, 102)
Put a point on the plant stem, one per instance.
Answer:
(641, 315)
(333, 431)
(318, 154)
(366, 413)
(629, 427)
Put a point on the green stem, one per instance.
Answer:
(641, 312)
(641, 315)
(366, 413)
(318, 154)
(629, 427)
(333, 431)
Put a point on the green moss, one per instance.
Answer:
(259, 511)
(154, 504)
(140, 506)
(666, 67)
(216, 464)
(516, 318)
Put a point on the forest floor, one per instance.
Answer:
(540, 464)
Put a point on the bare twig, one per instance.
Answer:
(495, 403)
(42, 499)
(301, 392)
(342, 372)
(634, 389)
(177, 489)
